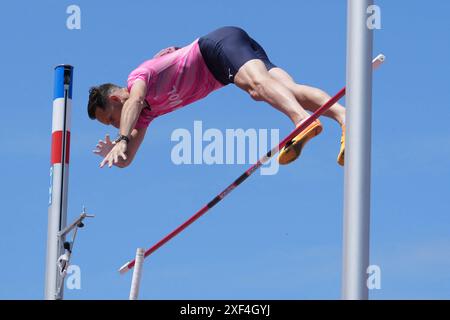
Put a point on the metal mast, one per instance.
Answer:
(357, 152)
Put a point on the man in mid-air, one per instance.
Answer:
(176, 77)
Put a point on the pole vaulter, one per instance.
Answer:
(129, 265)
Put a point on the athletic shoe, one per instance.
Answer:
(292, 150)
(340, 158)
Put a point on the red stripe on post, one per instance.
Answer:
(56, 153)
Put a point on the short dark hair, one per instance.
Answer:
(98, 97)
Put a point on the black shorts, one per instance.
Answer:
(226, 49)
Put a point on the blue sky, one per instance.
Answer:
(276, 237)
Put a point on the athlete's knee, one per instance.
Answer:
(254, 78)
(259, 86)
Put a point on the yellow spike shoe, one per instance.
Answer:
(340, 158)
(292, 150)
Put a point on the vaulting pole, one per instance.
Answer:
(59, 175)
(357, 153)
(129, 265)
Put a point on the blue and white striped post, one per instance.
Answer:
(59, 175)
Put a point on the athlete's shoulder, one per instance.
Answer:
(144, 72)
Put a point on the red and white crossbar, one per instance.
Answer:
(129, 265)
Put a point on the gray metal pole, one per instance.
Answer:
(357, 152)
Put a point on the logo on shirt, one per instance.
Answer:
(174, 97)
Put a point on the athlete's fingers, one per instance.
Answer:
(106, 160)
(110, 160)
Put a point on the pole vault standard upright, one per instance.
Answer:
(356, 232)
(59, 175)
(129, 265)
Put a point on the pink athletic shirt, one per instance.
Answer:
(173, 81)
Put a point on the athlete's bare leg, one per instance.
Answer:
(309, 97)
(277, 88)
(254, 78)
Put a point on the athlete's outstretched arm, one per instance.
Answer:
(130, 114)
(133, 107)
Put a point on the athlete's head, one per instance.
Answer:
(106, 102)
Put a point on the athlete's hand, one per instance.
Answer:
(117, 151)
(166, 51)
(104, 147)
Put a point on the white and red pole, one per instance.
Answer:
(59, 176)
